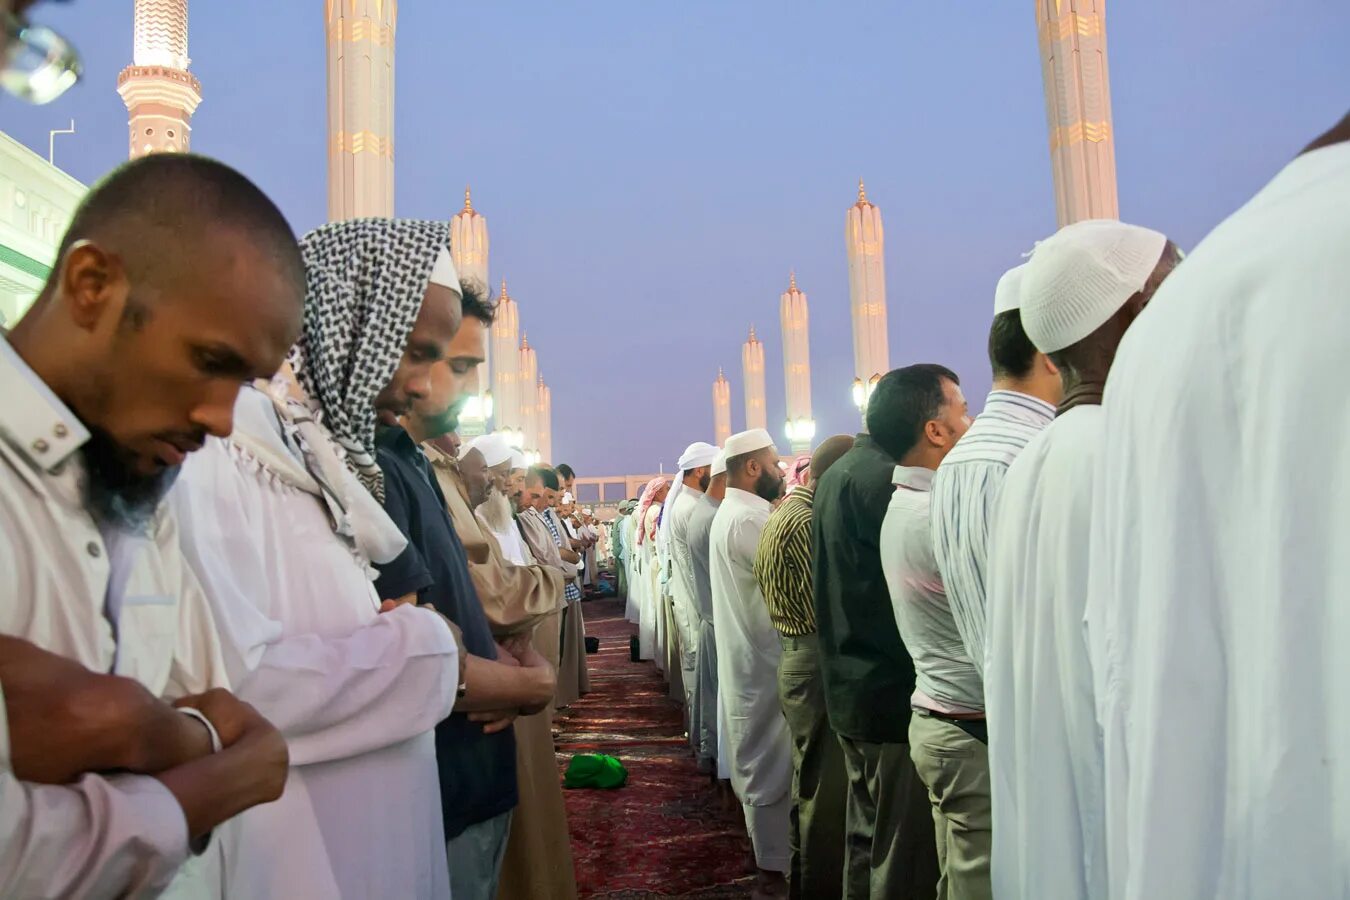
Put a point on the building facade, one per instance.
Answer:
(37, 202)
(360, 42)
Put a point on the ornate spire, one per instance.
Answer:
(505, 295)
(468, 201)
(541, 379)
(792, 281)
(862, 193)
(753, 339)
(525, 341)
(721, 376)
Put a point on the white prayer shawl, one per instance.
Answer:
(748, 650)
(355, 692)
(1221, 560)
(1045, 761)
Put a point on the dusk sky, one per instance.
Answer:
(652, 171)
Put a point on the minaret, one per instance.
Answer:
(752, 366)
(801, 428)
(867, 288)
(545, 422)
(1078, 108)
(506, 373)
(529, 394)
(469, 248)
(159, 92)
(360, 36)
(721, 409)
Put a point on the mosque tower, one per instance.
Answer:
(529, 394)
(752, 366)
(506, 373)
(1072, 38)
(801, 428)
(545, 422)
(159, 92)
(360, 39)
(721, 409)
(866, 246)
(469, 248)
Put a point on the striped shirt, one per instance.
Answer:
(964, 495)
(570, 590)
(783, 566)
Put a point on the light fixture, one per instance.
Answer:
(488, 406)
(862, 393)
(514, 437)
(801, 431)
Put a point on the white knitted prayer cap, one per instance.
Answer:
(719, 464)
(748, 442)
(1078, 277)
(1008, 294)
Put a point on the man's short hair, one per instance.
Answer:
(148, 208)
(903, 402)
(1011, 352)
(477, 302)
(565, 472)
(544, 474)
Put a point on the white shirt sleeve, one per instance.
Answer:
(332, 696)
(101, 837)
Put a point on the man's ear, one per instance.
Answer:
(92, 284)
(1047, 364)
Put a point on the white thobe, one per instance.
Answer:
(1045, 762)
(649, 611)
(632, 609)
(1221, 577)
(748, 650)
(100, 837)
(682, 591)
(698, 532)
(510, 541)
(355, 692)
(66, 583)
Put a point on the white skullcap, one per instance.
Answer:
(464, 448)
(494, 448)
(1078, 277)
(567, 498)
(518, 460)
(586, 511)
(719, 464)
(1008, 294)
(697, 455)
(443, 273)
(748, 442)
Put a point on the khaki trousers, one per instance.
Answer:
(955, 768)
(819, 784)
(889, 851)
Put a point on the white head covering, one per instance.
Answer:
(1008, 294)
(567, 498)
(443, 272)
(719, 464)
(1079, 276)
(494, 448)
(748, 442)
(518, 460)
(695, 456)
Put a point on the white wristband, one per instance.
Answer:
(216, 745)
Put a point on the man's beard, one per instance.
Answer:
(769, 485)
(704, 482)
(496, 512)
(114, 492)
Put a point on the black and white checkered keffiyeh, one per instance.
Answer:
(365, 279)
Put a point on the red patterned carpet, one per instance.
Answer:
(665, 833)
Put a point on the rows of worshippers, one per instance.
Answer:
(1090, 644)
(268, 631)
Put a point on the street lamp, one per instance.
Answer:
(862, 393)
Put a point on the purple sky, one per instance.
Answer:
(650, 172)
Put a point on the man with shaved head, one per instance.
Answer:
(177, 281)
(819, 783)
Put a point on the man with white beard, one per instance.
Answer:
(748, 650)
(1082, 289)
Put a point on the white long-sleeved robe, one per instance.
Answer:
(650, 619)
(1045, 762)
(355, 692)
(1219, 616)
(682, 591)
(633, 604)
(698, 540)
(748, 650)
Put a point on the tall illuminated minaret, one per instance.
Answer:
(159, 92)
(1072, 37)
(469, 248)
(545, 422)
(721, 409)
(529, 394)
(360, 38)
(506, 373)
(866, 246)
(801, 428)
(752, 367)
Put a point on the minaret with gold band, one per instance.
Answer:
(865, 242)
(545, 422)
(159, 92)
(506, 373)
(752, 367)
(360, 36)
(469, 247)
(1072, 37)
(801, 428)
(529, 395)
(721, 409)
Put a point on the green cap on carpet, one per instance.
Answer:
(595, 770)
